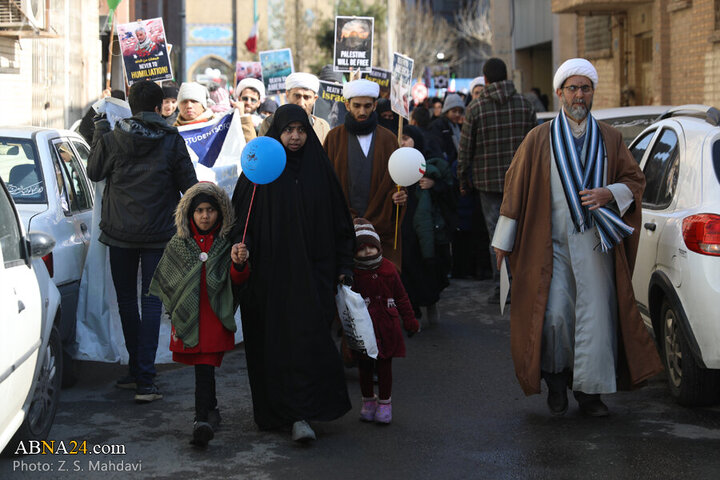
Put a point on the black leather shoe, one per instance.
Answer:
(591, 405)
(558, 402)
(202, 434)
(557, 384)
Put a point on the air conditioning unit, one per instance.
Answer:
(35, 12)
(30, 13)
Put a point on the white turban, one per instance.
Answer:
(253, 83)
(194, 91)
(361, 88)
(302, 80)
(477, 81)
(575, 66)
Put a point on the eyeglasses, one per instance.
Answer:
(574, 88)
(249, 99)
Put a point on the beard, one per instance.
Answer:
(577, 109)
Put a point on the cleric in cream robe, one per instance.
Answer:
(569, 227)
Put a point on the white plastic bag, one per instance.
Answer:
(356, 322)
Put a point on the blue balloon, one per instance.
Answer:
(263, 160)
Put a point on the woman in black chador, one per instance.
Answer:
(302, 241)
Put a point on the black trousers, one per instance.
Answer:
(205, 398)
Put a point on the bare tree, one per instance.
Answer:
(473, 25)
(421, 36)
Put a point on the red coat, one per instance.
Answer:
(387, 303)
(214, 337)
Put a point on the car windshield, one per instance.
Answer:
(631, 127)
(20, 170)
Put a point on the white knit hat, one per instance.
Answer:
(575, 66)
(477, 81)
(302, 80)
(361, 88)
(193, 91)
(253, 83)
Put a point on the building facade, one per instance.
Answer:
(661, 52)
(49, 61)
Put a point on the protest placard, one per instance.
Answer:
(144, 50)
(353, 44)
(330, 104)
(382, 78)
(400, 85)
(276, 66)
(247, 70)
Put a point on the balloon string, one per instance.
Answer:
(249, 210)
(397, 216)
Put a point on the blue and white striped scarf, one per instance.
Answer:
(575, 179)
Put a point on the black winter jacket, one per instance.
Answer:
(146, 165)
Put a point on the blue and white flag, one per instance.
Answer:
(217, 138)
(215, 148)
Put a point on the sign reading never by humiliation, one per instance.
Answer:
(353, 44)
(144, 50)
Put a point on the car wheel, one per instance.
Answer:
(40, 416)
(690, 384)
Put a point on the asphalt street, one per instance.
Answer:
(458, 413)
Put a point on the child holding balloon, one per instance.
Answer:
(194, 280)
(377, 280)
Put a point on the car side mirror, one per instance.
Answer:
(40, 244)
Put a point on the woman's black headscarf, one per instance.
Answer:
(283, 117)
(383, 105)
(301, 238)
(417, 135)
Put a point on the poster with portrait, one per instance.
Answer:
(382, 78)
(330, 104)
(247, 70)
(353, 44)
(275, 65)
(144, 50)
(400, 84)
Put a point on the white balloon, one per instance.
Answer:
(406, 166)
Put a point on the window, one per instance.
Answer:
(83, 151)
(661, 172)
(598, 35)
(21, 171)
(78, 194)
(9, 232)
(638, 150)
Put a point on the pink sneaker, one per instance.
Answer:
(367, 412)
(383, 414)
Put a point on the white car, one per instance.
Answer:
(30, 348)
(677, 271)
(44, 170)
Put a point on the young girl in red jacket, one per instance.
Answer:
(378, 281)
(195, 280)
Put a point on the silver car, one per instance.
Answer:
(44, 170)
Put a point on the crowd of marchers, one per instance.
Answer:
(560, 202)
